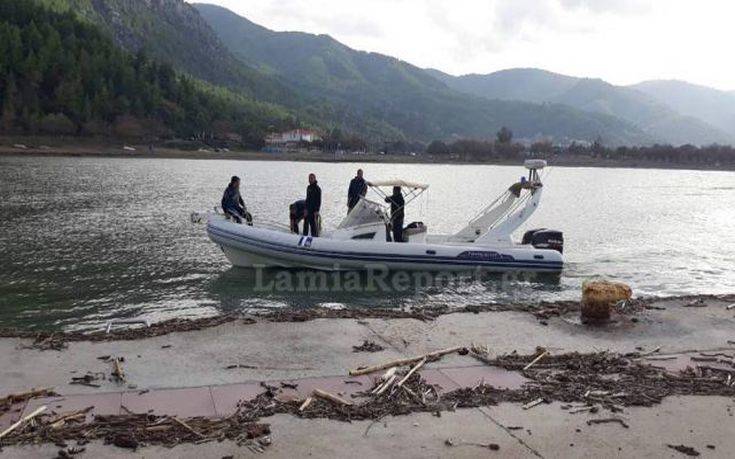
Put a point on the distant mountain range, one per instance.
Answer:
(668, 111)
(325, 84)
(710, 105)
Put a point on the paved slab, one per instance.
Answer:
(673, 330)
(691, 421)
(199, 358)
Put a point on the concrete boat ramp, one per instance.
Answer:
(208, 372)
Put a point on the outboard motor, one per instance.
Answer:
(545, 239)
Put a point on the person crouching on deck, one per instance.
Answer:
(296, 214)
(232, 203)
(313, 205)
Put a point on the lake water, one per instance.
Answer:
(84, 240)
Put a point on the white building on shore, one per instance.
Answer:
(291, 137)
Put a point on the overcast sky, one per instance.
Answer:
(622, 41)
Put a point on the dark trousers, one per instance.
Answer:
(295, 224)
(310, 222)
(238, 214)
(398, 231)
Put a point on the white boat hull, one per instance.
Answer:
(248, 246)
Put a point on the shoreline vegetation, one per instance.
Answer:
(85, 147)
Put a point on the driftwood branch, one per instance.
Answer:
(410, 372)
(331, 397)
(536, 360)
(187, 427)
(402, 362)
(306, 403)
(59, 421)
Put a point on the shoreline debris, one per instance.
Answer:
(686, 450)
(543, 353)
(534, 403)
(331, 397)
(112, 322)
(7, 402)
(597, 381)
(22, 421)
(117, 369)
(608, 421)
(57, 340)
(368, 346)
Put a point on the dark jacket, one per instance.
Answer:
(231, 199)
(397, 203)
(358, 188)
(313, 198)
(298, 208)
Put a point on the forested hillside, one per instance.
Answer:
(61, 75)
(370, 86)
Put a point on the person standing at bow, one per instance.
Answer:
(313, 205)
(232, 203)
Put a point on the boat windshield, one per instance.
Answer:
(365, 212)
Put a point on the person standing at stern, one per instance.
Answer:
(357, 189)
(397, 203)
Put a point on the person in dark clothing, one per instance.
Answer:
(312, 206)
(296, 214)
(358, 188)
(396, 213)
(232, 203)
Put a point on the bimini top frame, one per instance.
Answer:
(410, 190)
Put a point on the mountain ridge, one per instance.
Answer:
(649, 113)
(709, 104)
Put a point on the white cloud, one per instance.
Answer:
(622, 41)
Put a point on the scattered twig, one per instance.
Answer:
(306, 404)
(533, 403)
(650, 352)
(687, 450)
(607, 421)
(534, 361)
(117, 370)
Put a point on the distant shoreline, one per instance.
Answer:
(86, 148)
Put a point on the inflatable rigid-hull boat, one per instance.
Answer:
(250, 246)
(363, 239)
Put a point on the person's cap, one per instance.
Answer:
(235, 178)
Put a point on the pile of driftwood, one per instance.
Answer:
(583, 382)
(133, 430)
